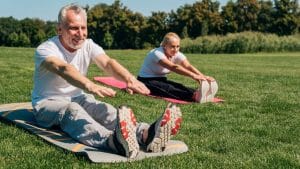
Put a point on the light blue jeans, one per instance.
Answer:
(84, 118)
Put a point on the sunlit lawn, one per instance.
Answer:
(258, 126)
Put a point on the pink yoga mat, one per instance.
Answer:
(111, 81)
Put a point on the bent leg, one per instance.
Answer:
(102, 112)
(105, 114)
(73, 120)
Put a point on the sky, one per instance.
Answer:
(47, 10)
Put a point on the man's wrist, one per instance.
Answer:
(88, 86)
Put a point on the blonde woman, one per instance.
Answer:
(167, 58)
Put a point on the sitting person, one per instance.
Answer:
(59, 95)
(160, 61)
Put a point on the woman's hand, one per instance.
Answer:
(199, 78)
(210, 79)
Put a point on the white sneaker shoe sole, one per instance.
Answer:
(201, 93)
(127, 131)
(176, 118)
(212, 91)
(162, 133)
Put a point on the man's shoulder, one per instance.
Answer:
(89, 40)
(91, 47)
(51, 42)
(49, 47)
(90, 43)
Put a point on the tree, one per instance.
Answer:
(184, 33)
(298, 18)
(50, 29)
(264, 17)
(39, 37)
(228, 14)
(24, 41)
(34, 30)
(107, 40)
(180, 21)
(201, 18)
(246, 15)
(120, 22)
(12, 39)
(286, 21)
(8, 26)
(157, 27)
(96, 25)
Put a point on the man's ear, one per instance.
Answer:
(58, 30)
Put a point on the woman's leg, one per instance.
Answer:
(166, 88)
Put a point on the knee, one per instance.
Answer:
(111, 114)
(73, 109)
(107, 116)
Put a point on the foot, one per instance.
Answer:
(125, 142)
(213, 88)
(176, 118)
(159, 133)
(201, 92)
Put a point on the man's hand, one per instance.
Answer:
(133, 85)
(101, 91)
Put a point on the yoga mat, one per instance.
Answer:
(111, 81)
(21, 115)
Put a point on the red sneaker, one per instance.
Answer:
(176, 118)
(159, 133)
(125, 134)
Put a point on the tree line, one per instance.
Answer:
(115, 26)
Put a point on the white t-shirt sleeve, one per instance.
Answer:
(51, 49)
(179, 58)
(94, 49)
(43, 51)
(158, 55)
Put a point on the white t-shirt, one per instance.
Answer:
(48, 84)
(151, 67)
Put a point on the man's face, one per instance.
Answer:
(172, 47)
(73, 32)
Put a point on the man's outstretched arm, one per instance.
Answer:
(73, 76)
(112, 67)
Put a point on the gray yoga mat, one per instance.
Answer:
(21, 115)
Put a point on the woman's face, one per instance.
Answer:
(74, 32)
(172, 47)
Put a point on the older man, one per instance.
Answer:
(58, 98)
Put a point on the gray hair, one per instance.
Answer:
(63, 11)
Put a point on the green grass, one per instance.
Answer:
(258, 126)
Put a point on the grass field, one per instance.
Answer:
(258, 126)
